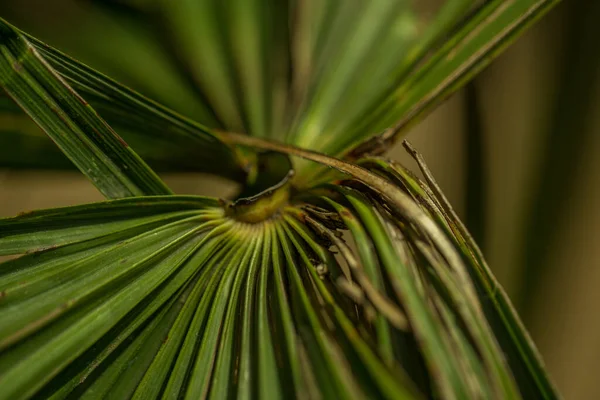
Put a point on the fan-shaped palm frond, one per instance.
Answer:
(359, 284)
(169, 295)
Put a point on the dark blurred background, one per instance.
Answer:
(517, 152)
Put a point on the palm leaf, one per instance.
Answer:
(92, 145)
(299, 82)
(24, 145)
(471, 48)
(516, 344)
(141, 120)
(366, 286)
(174, 271)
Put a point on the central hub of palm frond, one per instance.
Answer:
(263, 205)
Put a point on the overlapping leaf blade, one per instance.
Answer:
(301, 77)
(188, 274)
(521, 353)
(148, 125)
(24, 145)
(72, 124)
(181, 278)
(484, 35)
(176, 296)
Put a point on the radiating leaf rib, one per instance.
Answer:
(38, 230)
(247, 37)
(309, 26)
(231, 354)
(393, 386)
(38, 264)
(78, 373)
(123, 372)
(476, 325)
(21, 287)
(213, 350)
(54, 235)
(355, 36)
(461, 299)
(289, 349)
(100, 154)
(26, 356)
(333, 373)
(476, 376)
(424, 82)
(156, 377)
(180, 373)
(112, 208)
(435, 349)
(28, 375)
(322, 253)
(521, 354)
(269, 384)
(247, 373)
(52, 337)
(201, 47)
(31, 311)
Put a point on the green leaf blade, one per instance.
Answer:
(74, 126)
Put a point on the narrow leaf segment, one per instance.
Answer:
(342, 292)
(99, 153)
